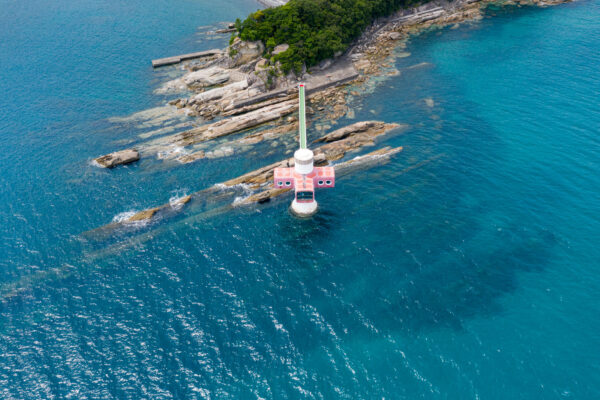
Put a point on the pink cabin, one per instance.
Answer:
(304, 185)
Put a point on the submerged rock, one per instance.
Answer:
(118, 158)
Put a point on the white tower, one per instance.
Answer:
(304, 204)
(304, 177)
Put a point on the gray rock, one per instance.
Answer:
(244, 52)
(260, 65)
(118, 158)
(217, 93)
(280, 49)
(207, 77)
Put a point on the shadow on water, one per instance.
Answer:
(458, 287)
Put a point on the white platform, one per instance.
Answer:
(304, 209)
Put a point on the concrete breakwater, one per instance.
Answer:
(161, 62)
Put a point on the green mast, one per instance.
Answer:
(302, 116)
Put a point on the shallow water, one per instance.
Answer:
(467, 267)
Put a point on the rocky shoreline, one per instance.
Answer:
(234, 86)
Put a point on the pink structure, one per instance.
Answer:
(304, 177)
(304, 185)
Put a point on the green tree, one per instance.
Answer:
(314, 29)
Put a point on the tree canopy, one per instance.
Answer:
(314, 29)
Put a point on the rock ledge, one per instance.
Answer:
(118, 158)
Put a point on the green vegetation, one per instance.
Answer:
(314, 29)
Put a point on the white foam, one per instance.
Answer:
(248, 191)
(176, 201)
(171, 152)
(239, 200)
(123, 217)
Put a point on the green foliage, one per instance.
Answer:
(314, 29)
(270, 45)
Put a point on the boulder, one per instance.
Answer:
(242, 52)
(118, 158)
(395, 36)
(261, 65)
(280, 49)
(362, 64)
(350, 130)
(207, 77)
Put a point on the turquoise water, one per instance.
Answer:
(467, 267)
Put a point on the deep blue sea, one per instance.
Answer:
(468, 267)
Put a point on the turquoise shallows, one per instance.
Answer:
(467, 267)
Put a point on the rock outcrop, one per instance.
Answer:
(207, 77)
(149, 213)
(242, 52)
(280, 49)
(336, 146)
(143, 215)
(220, 92)
(347, 131)
(234, 124)
(118, 158)
(355, 137)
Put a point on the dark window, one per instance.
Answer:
(328, 182)
(320, 182)
(288, 183)
(280, 183)
(304, 195)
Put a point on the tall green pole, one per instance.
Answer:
(302, 117)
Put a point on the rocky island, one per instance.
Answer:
(251, 86)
